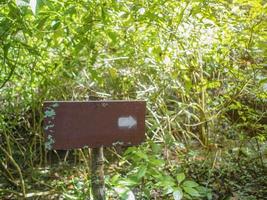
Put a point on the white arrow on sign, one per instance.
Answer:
(127, 122)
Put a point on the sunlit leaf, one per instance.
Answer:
(177, 195)
(21, 3)
(190, 184)
(33, 5)
(180, 177)
(125, 193)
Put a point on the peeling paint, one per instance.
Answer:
(50, 113)
(54, 105)
(117, 143)
(49, 126)
(104, 104)
(49, 143)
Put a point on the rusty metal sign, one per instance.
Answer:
(69, 125)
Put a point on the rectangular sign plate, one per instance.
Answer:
(69, 125)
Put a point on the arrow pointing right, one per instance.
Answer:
(127, 122)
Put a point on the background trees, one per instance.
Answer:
(201, 66)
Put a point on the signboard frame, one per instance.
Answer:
(77, 124)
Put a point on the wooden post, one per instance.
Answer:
(97, 174)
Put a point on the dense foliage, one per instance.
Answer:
(200, 65)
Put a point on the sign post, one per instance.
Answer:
(97, 173)
(94, 124)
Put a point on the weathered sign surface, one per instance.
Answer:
(69, 125)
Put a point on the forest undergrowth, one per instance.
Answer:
(200, 66)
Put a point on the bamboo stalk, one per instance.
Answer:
(18, 169)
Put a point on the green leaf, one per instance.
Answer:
(142, 155)
(115, 178)
(190, 184)
(191, 191)
(203, 191)
(141, 171)
(55, 24)
(113, 36)
(263, 81)
(128, 182)
(180, 177)
(166, 181)
(177, 194)
(156, 162)
(113, 72)
(125, 193)
(156, 148)
(41, 22)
